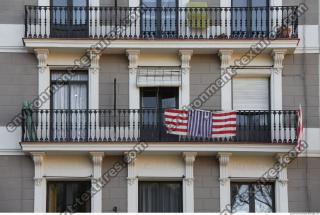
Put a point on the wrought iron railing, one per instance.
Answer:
(123, 125)
(161, 23)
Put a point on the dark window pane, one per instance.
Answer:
(62, 196)
(59, 2)
(239, 3)
(160, 197)
(259, 3)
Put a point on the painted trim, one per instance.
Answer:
(160, 44)
(11, 152)
(155, 147)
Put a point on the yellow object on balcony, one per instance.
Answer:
(197, 15)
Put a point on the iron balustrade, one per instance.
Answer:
(131, 125)
(161, 23)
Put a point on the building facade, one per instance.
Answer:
(84, 85)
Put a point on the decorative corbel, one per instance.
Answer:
(282, 169)
(38, 166)
(224, 161)
(94, 61)
(42, 56)
(133, 57)
(189, 158)
(225, 56)
(185, 56)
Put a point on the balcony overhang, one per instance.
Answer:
(154, 147)
(199, 46)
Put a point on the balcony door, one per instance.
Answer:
(251, 97)
(69, 105)
(250, 18)
(69, 18)
(159, 18)
(153, 102)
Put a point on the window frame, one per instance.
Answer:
(251, 197)
(249, 30)
(64, 192)
(68, 83)
(160, 183)
(158, 17)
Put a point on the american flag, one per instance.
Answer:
(300, 128)
(197, 123)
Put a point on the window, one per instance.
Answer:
(154, 100)
(158, 18)
(252, 197)
(160, 196)
(69, 18)
(250, 18)
(69, 104)
(251, 97)
(62, 196)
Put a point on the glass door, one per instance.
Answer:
(69, 18)
(250, 18)
(69, 105)
(159, 18)
(154, 100)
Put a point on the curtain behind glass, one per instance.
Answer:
(160, 197)
(69, 104)
(78, 102)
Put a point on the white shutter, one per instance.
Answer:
(251, 94)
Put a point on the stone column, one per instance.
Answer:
(39, 183)
(43, 78)
(188, 182)
(185, 56)
(96, 198)
(224, 180)
(276, 91)
(132, 185)
(281, 187)
(134, 92)
(94, 80)
(276, 78)
(226, 90)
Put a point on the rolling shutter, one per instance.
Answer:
(250, 93)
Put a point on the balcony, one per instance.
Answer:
(124, 125)
(147, 23)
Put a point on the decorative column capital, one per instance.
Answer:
(185, 56)
(224, 158)
(38, 166)
(133, 57)
(189, 157)
(225, 56)
(42, 56)
(278, 57)
(281, 167)
(94, 61)
(97, 158)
